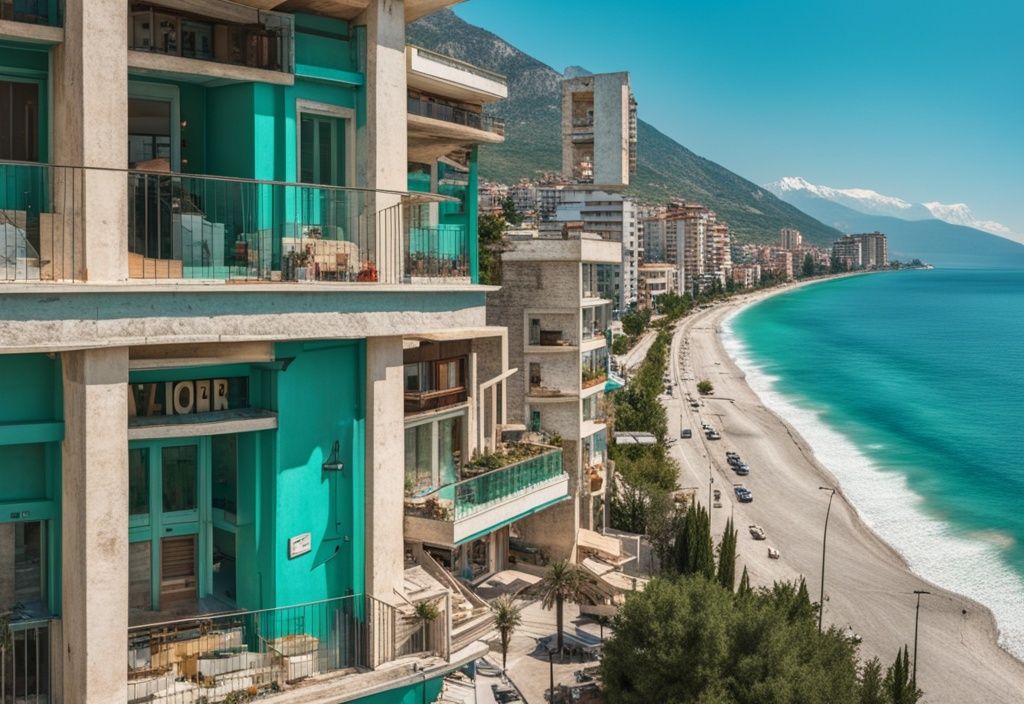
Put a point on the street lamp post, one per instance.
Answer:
(711, 480)
(824, 538)
(551, 671)
(917, 615)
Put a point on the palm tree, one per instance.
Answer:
(564, 581)
(508, 617)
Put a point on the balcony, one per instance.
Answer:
(27, 654)
(269, 652)
(235, 43)
(550, 338)
(211, 228)
(495, 490)
(456, 116)
(449, 77)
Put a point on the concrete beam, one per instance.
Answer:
(47, 321)
(94, 526)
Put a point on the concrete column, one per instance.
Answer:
(94, 526)
(90, 128)
(387, 144)
(385, 467)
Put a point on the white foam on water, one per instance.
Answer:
(966, 564)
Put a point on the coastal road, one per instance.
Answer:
(868, 585)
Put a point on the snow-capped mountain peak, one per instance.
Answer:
(864, 200)
(860, 199)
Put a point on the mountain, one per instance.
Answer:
(665, 168)
(934, 241)
(874, 203)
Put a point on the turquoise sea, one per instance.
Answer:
(910, 388)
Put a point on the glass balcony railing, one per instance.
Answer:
(491, 487)
(456, 115)
(184, 226)
(45, 12)
(211, 658)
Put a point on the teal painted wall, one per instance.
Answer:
(32, 406)
(419, 693)
(319, 400)
(324, 42)
(230, 131)
(472, 189)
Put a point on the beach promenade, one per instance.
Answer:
(868, 586)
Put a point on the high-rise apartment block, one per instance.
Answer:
(254, 413)
(599, 130)
(690, 237)
(869, 250)
(790, 239)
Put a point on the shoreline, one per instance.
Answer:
(869, 584)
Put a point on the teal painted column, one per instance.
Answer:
(472, 191)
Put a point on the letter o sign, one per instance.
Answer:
(184, 397)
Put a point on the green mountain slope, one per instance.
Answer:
(665, 169)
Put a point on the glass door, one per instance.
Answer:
(167, 508)
(321, 160)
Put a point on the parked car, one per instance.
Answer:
(730, 455)
(694, 404)
(686, 433)
(743, 494)
(773, 553)
(757, 532)
(705, 426)
(741, 469)
(714, 435)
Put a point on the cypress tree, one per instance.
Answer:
(727, 557)
(744, 588)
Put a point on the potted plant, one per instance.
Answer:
(367, 272)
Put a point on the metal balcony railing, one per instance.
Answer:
(212, 658)
(47, 12)
(456, 115)
(25, 665)
(491, 487)
(185, 226)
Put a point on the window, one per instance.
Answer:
(449, 449)
(419, 466)
(534, 331)
(19, 121)
(138, 482)
(449, 375)
(535, 421)
(180, 467)
(534, 374)
(24, 567)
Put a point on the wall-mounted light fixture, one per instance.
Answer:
(334, 463)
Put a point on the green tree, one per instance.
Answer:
(705, 387)
(871, 688)
(693, 641)
(635, 322)
(744, 588)
(898, 686)
(727, 557)
(693, 548)
(563, 582)
(508, 616)
(510, 212)
(491, 243)
(808, 265)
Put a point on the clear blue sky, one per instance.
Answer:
(923, 100)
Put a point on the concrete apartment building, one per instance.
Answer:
(656, 279)
(874, 247)
(238, 291)
(615, 219)
(790, 239)
(556, 320)
(599, 130)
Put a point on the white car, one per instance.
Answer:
(757, 532)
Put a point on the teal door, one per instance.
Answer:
(321, 162)
(169, 516)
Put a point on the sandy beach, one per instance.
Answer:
(868, 585)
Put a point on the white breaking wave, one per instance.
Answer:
(889, 507)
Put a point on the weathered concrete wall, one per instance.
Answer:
(58, 318)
